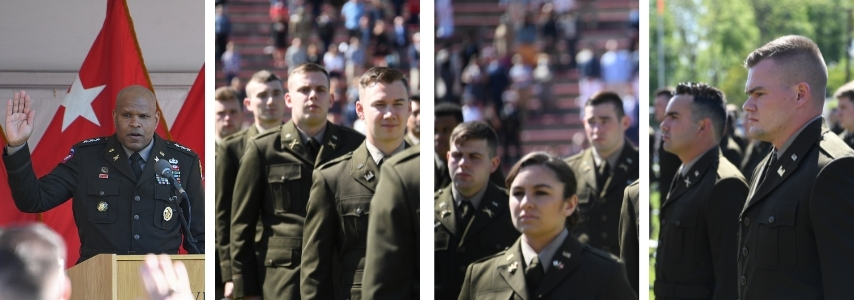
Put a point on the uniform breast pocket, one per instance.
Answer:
(354, 214)
(776, 244)
(165, 209)
(496, 241)
(283, 252)
(495, 295)
(681, 234)
(102, 202)
(284, 180)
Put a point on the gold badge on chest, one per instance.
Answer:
(102, 206)
(167, 214)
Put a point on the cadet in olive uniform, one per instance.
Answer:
(392, 258)
(229, 115)
(472, 219)
(629, 245)
(667, 162)
(696, 249)
(413, 126)
(265, 99)
(845, 96)
(116, 210)
(546, 262)
(794, 233)
(336, 221)
(603, 171)
(448, 116)
(273, 186)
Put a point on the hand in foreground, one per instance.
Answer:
(163, 280)
(227, 291)
(19, 119)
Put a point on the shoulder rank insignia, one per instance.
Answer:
(181, 146)
(91, 140)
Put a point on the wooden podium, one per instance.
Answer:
(114, 277)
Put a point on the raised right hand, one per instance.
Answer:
(19, 119)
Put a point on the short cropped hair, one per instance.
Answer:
(604, 97)
(382, 74)
(305, 68)
(709, 102)
(33, 258)
(665, 91)
(476, 130)
(800, 59)
(845, 91)
(265, 76)
(225, 94)
(448, 109)
(562, 172)
(415, 97)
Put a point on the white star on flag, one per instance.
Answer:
(78, 103)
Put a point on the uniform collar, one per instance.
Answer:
(378, 155)
(547, 253)
(475, 200)
(143, 153)
(792, 138)
(317, 137)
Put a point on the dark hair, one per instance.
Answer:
(476, 130)
(225, 94)
(304, 68)
(604, 97)
(448, 109)
(562, 172)
(415, 97)
(265, 76)
(32, 258)
(665, 91)
(845, 91)
(383, 74)
(800, 59)
(708, 102)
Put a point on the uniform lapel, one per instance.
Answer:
(331, 141)
(626, 162)
(694, 175)
(363, 168)
(565, 260)
(512, 270)
(491, 206)
(787, 162)
(148, 172)
(444, 210)
(116, 156)
(588, 172)
(291, 140)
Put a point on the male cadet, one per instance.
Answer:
(629, 232)
(845, 96)
(668, 163)
(413, 126)
(121, 205)
(472, 215)
(336, 220)
(794, 232)
(392, 258)
(696, 250)
(273, 183)
(266, 100)
(603, 171)
(448, 116)
(229, 113)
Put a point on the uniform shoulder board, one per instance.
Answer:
(499, 254)
(92, 141)
(336, 161)
(175, 145)
(601, 253)
(438, 193)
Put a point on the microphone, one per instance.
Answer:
(164, 169)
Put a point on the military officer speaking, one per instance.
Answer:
(471, 215)
(121, 205)
(265, 98)
(795, 229)
(603, 171)
(337, 213)
(273, 182)
(695, 257)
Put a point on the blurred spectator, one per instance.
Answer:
(380, 45)
(568, 24)
(521, 76)
(326, 28)
(355, 56)
(279, 33)
(413, 54)
(498, 80)
(471, 110)
(365, 31)
(400, 39)
(300, 25)
(222, 29)
(547, 25)
(543, 83)
(313, 54)
(504, 37)
(32, 262)
(526, 37)
(231, 62)
(296, 54)
(333, 61)
(444, 19)
(590, 80)
(616, 68)
(377, 10)
(352, 12)
(511, 127)
(473, 78)
(237, 85)
(413, 124)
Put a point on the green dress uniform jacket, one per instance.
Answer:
(756, 151)
(600, 206)
(392, 258)
(228, 157)
(336, 223)
(115, 212)
(629, 245)
(696, 251)
(273, 186)
(457, 245)
(442, 175)
(577, 271)
(795, 231)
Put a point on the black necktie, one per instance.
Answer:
(602, 174)
(313, 148)
(533, 275)
(768, 167)
(466, 212)
(135, 158)
(676, 181)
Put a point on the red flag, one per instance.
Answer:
(186, 128)
(113, 63)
